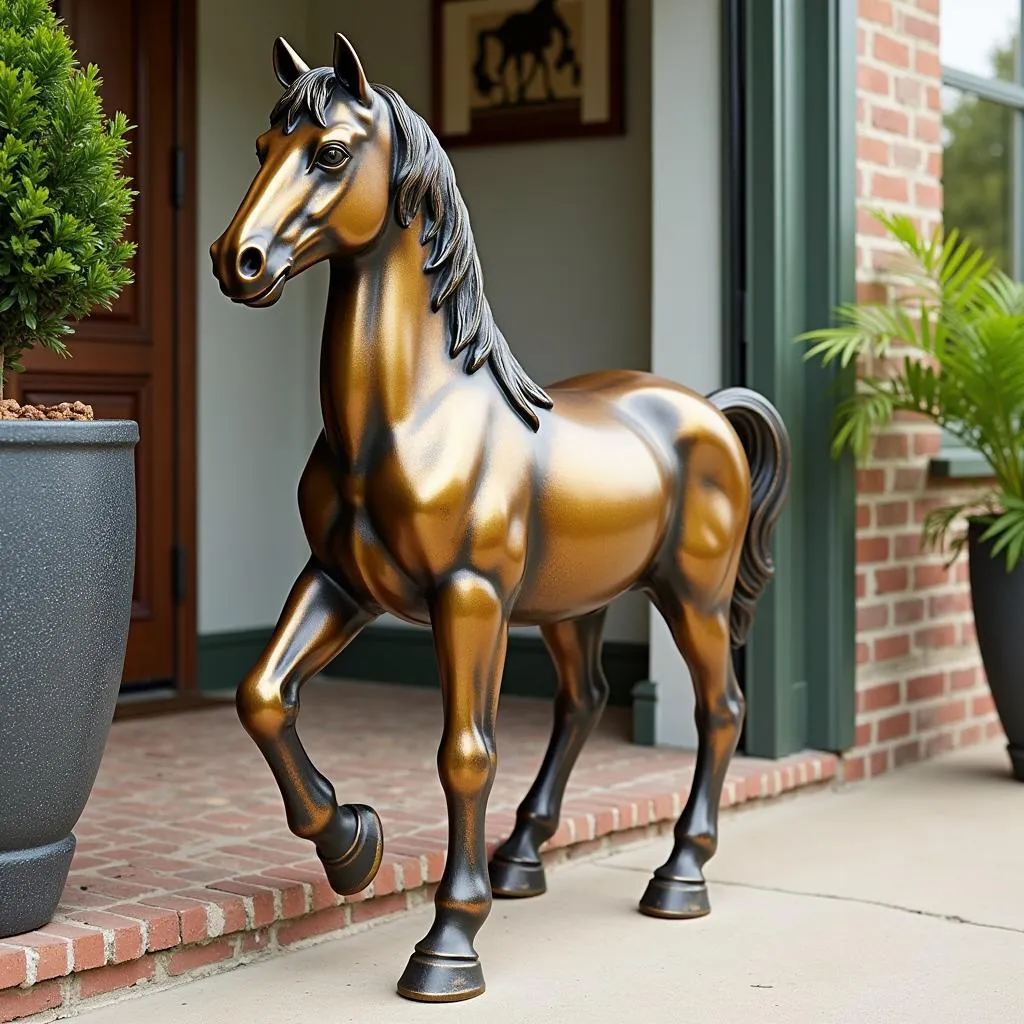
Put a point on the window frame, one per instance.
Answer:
(954, 461)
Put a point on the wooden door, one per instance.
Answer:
(124, 361)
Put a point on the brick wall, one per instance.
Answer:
(920, 687)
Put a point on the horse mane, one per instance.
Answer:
(423, 181)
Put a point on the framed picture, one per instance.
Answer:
(517, 70)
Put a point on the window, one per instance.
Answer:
(978, 173)
(983, 106)
(983, 156)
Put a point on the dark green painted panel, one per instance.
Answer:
(775, 276)
(392, 654)
(830, 156)
(800, 250)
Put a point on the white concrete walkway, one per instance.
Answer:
(897, 902)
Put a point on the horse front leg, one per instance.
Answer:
(470, 627)
(318, 621)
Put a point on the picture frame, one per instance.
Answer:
(525, 70)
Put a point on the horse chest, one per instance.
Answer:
(423, 516)
(350, 540)
(393, 531)
(382, 574)
(415, 503)
(419, 503)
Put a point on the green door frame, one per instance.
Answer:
(800, 133)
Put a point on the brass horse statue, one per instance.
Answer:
(447, 488)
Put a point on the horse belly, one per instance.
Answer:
(601, 518)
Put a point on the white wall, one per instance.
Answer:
(687, 235)
(563, 227)
(255, 426)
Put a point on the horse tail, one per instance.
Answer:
(484, 83)
(766, 442)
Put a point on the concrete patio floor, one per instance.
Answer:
(901, 900)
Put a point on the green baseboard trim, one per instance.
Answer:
(224, 658)
(393, 654)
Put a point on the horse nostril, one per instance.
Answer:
(250, 263)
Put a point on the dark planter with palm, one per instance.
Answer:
(998, 598)
(951, 342)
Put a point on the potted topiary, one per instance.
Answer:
(67, 492)
(960, 325)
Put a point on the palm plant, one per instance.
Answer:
(951, 341)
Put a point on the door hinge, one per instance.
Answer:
(179, 574)
(178, 175)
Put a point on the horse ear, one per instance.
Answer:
(349, 71)
(288, 65)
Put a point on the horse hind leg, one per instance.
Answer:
(575, 647)
(707, 594)
(693, 590)
(678, 888)
(545, 68)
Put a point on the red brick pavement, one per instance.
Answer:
(185, 862)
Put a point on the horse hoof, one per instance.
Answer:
(675, 899)
(441, 979)
(515, 879)
(357, 867)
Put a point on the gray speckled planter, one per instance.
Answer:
(67, 560)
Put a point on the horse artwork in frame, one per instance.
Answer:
(525, 70)
(449, 489)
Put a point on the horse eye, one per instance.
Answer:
(332, 156)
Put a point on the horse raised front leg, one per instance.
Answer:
(318, 620)
(678, 888)
(470, 636)
(575, 647)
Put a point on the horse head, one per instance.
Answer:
(322, 188)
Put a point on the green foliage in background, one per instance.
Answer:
(960, 324)
(64, 202)
(977, 167)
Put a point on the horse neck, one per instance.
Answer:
(383, 353)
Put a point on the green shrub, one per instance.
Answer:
(64, 201)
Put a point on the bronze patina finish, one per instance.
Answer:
(449, 489)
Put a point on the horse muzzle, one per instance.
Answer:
(244, 274)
